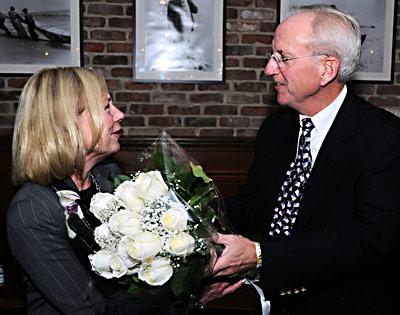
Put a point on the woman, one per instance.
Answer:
(66, 125)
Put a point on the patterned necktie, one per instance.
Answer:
(293, 186)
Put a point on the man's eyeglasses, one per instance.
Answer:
(280, 61)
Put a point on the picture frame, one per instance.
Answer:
(178, 40)
(54, 40)
(378, 34)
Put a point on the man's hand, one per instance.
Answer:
(239, 255)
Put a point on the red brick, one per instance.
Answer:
(136, 86)
(132, 97)
(255, 111)
(220, 110)
(108, 35)
(232, 62)
(17, 83)
(132, 121)
(271, 4)
(177, 87)
(241, 75)
(234, 122)
(104, 9)
(200, 121)
(119, 47)
(183, 110)
(146, 109)
(94, 21)
(254, 62)
(9, 95)
(120, 22)
(206, 97)
(250, 86)
(94, 47)
(223, 86)
(239, 3)
(384, 101)
(243, 98)
(257, 39)
(182, 132)
(231, 13)
(121, 72)
(113, 84)
(169, 98)
(110, 60)
(164, 121)
(388, 90)
(267, 27)
(232, 39)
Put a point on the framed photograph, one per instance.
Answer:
(178, 40)
(377, 22)
(36, 34)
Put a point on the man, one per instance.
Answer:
(16, 21)
(31, 24)
(328, 216)
(3, 18)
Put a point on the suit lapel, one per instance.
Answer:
(329, 158)
(285, 152)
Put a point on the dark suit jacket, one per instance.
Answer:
(342, 256)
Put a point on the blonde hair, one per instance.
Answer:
(47, 141)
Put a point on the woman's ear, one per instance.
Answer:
(329, 69)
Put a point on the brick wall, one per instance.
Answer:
(234, 108)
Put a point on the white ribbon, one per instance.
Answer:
(265, 305)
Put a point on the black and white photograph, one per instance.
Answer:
(178, 40)
(35, 34)
(377, 34)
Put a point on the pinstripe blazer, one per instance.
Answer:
(56, 281)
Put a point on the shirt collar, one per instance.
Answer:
(323, 120)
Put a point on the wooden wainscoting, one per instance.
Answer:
(226, 160)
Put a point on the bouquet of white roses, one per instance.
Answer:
(157, 225)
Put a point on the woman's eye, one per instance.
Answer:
(108, 107)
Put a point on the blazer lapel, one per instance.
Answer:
(285, 152)
(329, 158)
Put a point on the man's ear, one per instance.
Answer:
(329, 69)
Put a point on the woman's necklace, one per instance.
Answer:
(96, 184)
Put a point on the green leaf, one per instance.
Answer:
(119, 179)
(188, 275)
(199, 172)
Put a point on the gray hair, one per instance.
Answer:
(336, 34)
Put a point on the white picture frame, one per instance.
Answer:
(59, 36)
(377, 22)
(178, 41)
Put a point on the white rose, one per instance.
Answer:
(156, 272)
(181, 244)
(129, 262)
(143, 246)
(107, 264)
(125, 222)
(105, 238)
(175, 218)
(128, 193)
(104, 205)
(146, 187)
